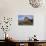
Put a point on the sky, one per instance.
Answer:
(21, 17)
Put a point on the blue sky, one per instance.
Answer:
(21, 17)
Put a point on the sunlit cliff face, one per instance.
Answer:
(26, 19)
(35, 3)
